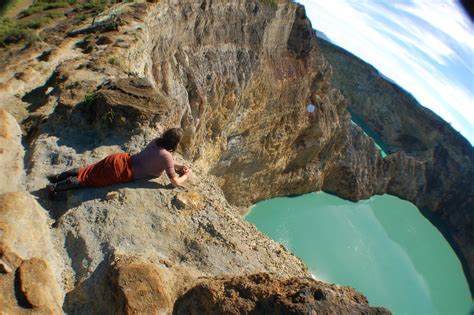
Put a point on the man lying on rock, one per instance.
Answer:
(123, 167)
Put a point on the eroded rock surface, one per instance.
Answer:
(266, 294)
(11, 153)
(139, 287)
(29, 267)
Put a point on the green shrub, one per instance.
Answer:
(41, 6)
(11, 32)
(90, 97)
(6, 5)
(37, 16)
(109, 116)
(114, 61)
(272, 3)
(33, 9)
(36, 22)
(14, 36)
(95, 5)
(55, 5)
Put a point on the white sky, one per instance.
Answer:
(425, 46)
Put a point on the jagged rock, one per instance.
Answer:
(190, 200)
(11, 153)
(267, 294)
(25, 226)
(134, 100)
(138, 287)
(32, 288)
(26, 254)
(39, 287)
(9, 261)
(112, 195)
(362, 172)
(245, 118)
(148, 223)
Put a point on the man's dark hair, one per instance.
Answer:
(170, 139)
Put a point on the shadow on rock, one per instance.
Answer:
(92, 296)
(61, 202)
(267, 294)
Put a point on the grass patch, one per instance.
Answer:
(114, 61)
(42, 6)
(41, 13)
(109, 116)
(11, 32)
(96, 6)
(90, 98)
(6, 5)
(271, 3)
(23, 30)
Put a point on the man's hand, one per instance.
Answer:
(180, 169)
(187, 171)
(184, 175)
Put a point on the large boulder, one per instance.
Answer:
(138, 287)
(28, 264)
(267, 294)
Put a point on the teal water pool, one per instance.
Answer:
(384, 247)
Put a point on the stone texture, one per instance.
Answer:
(9, 261)
(26, 254)
(190, 200)
(138, 287)
(266, 294)
(148, 223)
(39, 287)
(31, 288)
(25, 227)
(361, 171)
(11, 153)
(27, 283)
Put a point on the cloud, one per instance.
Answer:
(444, 17)
(427, 47)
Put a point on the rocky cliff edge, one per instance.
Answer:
(237, 77)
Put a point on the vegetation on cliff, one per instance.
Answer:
(24, 28)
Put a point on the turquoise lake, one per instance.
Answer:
(384, 247)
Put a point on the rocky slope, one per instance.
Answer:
(237, 77)
(435, 164)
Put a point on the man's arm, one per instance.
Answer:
(177, 181)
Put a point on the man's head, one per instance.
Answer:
(170, 139)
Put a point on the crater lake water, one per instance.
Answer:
(383, 247)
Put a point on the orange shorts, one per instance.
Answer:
(115, 168)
